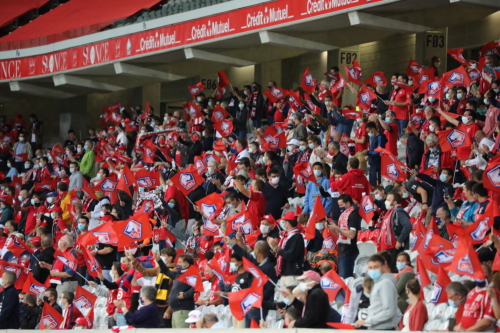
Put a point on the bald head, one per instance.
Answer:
(261, 250)
(46, 242)
(325, 267)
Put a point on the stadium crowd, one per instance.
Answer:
(264, 207)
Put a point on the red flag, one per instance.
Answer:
(483, 224)
(450, 140)
(329, 239)
(294, 99)
(106, 185)
(304, 170)
(332, 283)
(341, 326)
(209, 228)
(241, 301)
(439, 250)
(147, 179)
(269, 133)
(352, 114)
(222, 79)
(17, 246)
(135, 229)
(87, 191)
(414, 69)
(219, 113)
(211, 204)
(443, 119)
(122, 185)
(426, 75)
(33, 287)
(275, 94)
(317, 214)
(491, 177)
(224, 127)
(219, 146)
(187, 179)
(93, 266)
(254, 324)
(366, 209)
(365, 98)
(68, 259)
(194, 110)
(260, 277)
(456, 77)
(431, 173)
(217, 270)
(458, 56)
(392, 168)
(439, 294)
(496, 262)
(21, 157)
(59, 160)
(57, 149)
(406, 87)
(490, 49)
(6, 199)
(432, 88)
(308, 82)
(199, 162)
(455, 232)
(50, 318)
(49, 185)
(242, 222)
(466, 262)
(84, 300)
(232, 166)
(419, 233)
(416, 119)
(354, 73)
(337, 86)
(197, 88)
(377, 78)
(421, 274)
(192, 277)
(277, 141)
(104, 234)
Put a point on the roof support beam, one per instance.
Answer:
(485, 3)
(64, 79)
(382, 23)
(132, 70)
(31, 89)
(214, 57)
(272, 38)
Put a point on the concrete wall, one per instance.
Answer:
(292, 69)
(474, 34)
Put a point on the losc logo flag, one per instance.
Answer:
(456, 78)
(48, 320)
(307, 172)
(187, 181)
(456, 138)
(436, 293)
(493, 176)
(191, 280)
(327, 283)
(445, 256)
(82, 302)
(416, 69)
(377, 79)
(208, 209)
(364, 97)
(248, 301)
(70, 264)
(433, 87)
(310, 81)
(108, 185)
(144, 182)
(218, 115)
(355, 73)
(392, 171)
(277, 93)
(36, 289)
(133, 229)
(465, 265)
(328, 242)
(102, 237)
(482, 228)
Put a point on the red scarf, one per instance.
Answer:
(254, 105)
(282, 244)
(387, 239)
(58, 266)
(344, 225)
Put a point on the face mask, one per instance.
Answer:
(199, 99)
(101, 214)
(465, 120)
(254, 89)
(86, 147)
(194, 137)
(230, 206)
(178, 268)
(432, 128)
(53, 215)
(210, 103)
(171, 205)
(448, 96)
(36, 166)
(50, 199)
(9, 165)
(81, 227)
(60, 303)
(496, 90)
(99, 176)
(437, 64)
(275, 180)
(232, 267)
(367, 295)
(431, 99)
(387, 120)
(460, 95)
(406, 195)
(286, 301)
(443, 177)
(320, 226)
(318, 173)
(378, 197)
(410, 82)
(245, 92)
(289, 126)
(27, 166)
(480, 283)
(33, 202)
(327, 102)
(370, 134)
(241, 105)
(304, 286)
(311, 146)
(210, 170)
(375, 274)
(481, 112)
(20, 198)
(302, 148)
(282, 225)
(45, 299)
(264, 229)
(400, 265)
(452, 304)
(71, 170)
(433, 149)
(21, 139)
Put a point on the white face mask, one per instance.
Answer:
(432, 128)
(432, 99)
(465, 120)
(460, 95)
(50, 199)
(21, 139)
(410, 83)
(275, 180)
(264, 229)
(232, 267)
(210, 170)
(387, 205)
(303, 286)
(199, 99)
(112, 276)
(53, 215)
(320, 226)
(101, 214)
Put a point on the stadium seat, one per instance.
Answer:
(444, 326)
(450, 311)
(358, 281)
(439, 311)
(430, 308)
(432, 325)
(279, 324)
(367, 248)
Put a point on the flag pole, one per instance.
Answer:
(261, 315)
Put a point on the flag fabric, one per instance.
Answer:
(33, 287)
(7, 199)
(256, 272)
(192, 277)
(439, 294)
(17, 246)
(466, 261)
(431, 173)
(211, 204)
(222, 80)
(254, 324)
(84, 300)
(241, 301)
(491, 176)
(147, 179)
(107, 184)
(478, 231)
(50, 318)
(392, 168)
(219, 146)
(456, 78)
(337, 86)
(68, 259)
(135, 229)
(406, 87)
(277, 141)
(376, 79)
(275, 94)
(366, 208)
(304, 170)
(354, 73)
(59, 160)
(210, 228)
(416, 120)
(104, 234)
(93, 266)
(352, 114)
(420, 233)
(365, 98)
(432, 88)
(414, 68)
(194, 110)
(217, 270)
(450, 140)
(434, 250)
(317, 214)
(187, 179)
(426, 75)
(224, 127)
(455, 232)
(58, 149)
(421, 274)
(443, 119)
(294, 99)
(197, 88)
(242, 222)
(332, 283)
(308, 82)
(458, 56)
(491, 48)
(89, 192)
(218, 113)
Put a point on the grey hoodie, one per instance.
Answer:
(383, 312)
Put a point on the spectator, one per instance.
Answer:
(359, 301)
(414, 149)
(353, 183)
(50, 297)
(70, 311)
(9, 314)
(31, 313)
(147, 316)
(45, 255)
(276, 194)
(415, 316)
(36, 136)
(377, 140)
(312, 190)
(87, 165)
(209, 320)
(76, 178)
(457, 295)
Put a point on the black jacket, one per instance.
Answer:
(31, 316)
(415, 150)
(9, 315)
(240, 119)
(339, 162)
(187, 303)
(317, 309)
(276, 197)
(46, 255)
(194, 149)
(293, 256)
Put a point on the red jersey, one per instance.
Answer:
(463, 153)
(206, 243)
(31, 219)
(461, 106)
(110, 306)
(402, 112)
(257, 206)
(215, 287)
(392, 139)
(125, 287)
(361, 133)
(58, 226)
(477, 306)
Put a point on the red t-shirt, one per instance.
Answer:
(215, 287)
(402, 112)
(392, 139)
(361, 133)
(59, 226)
(110, 306)
(31, 219)
(463, 153)
(477, 306)
(461, 106)
(257, 206)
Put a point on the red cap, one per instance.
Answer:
(138, 149)
(83, 321)
(223, 194)
(111, 127)
(56, 209)
(107, 218)
(122, 147)
(289, 216)
(42, 209)
(36, 241)
(312, 275)
(269, 218)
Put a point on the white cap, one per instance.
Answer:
(294, 142)
(193, 316)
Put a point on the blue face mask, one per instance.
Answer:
(341, 209)
(442, 177)
(27, 165)
(81, 227)
(387, 119)
(311, 145)
(302, 148)
(210, 103)
(171, 205)
(366, 294)
(286, 301)
(375, 274)
(282, 225)
(290, 126)
(86, 147)
(433, 149)
(400, 265)
(406, 195)
(370, 135)
(318, 173)
(452, 304)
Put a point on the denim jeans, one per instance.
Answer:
(374, 175)
(242, 134)
(346, 265)
(120, 319)
(402, 124)
(257, 122)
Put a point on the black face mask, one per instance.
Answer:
(46, 299)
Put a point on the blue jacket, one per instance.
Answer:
(375, 142)
(312, 192)
(440, 189)
(343, 124)
(146, 317)
(9, 315)
(470, 211)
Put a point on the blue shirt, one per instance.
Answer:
(467, 212)
(312, 192)
(146, 317)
